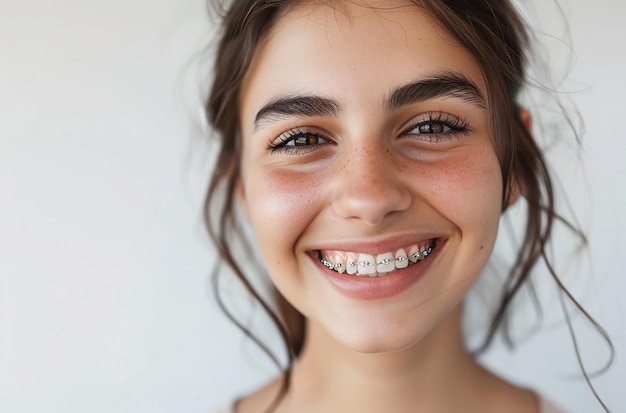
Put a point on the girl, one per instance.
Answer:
(372, 146)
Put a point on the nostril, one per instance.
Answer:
(369, 185)
(372, 201)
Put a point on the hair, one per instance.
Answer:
(494, 33)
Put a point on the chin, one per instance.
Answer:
(371, 332)
(381, 346)
(381, 340)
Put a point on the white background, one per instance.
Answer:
(105, 302)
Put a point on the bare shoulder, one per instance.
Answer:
(493, 394)
(260, 399)
(516, 400)
(503, 396)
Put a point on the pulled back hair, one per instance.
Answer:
(494, 33)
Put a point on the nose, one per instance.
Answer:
(369, 187)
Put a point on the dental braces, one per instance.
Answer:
(417, 256)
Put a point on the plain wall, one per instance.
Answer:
(105, 302)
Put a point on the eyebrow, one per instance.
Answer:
(297, 105)
(447, 84)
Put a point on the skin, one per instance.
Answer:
(368, 180)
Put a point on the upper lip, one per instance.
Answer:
(376, 245)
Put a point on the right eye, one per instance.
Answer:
(297, 142)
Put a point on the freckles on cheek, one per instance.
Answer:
(281, 202)
(468, 189)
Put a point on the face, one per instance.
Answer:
(368, 171)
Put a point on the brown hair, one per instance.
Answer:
(493, 32)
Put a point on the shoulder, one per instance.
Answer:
(259, 400)
(228, 409)
(256, 402)
(546, 407)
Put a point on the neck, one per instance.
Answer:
(329, 374)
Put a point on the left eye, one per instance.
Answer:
(436, 126)
(305, 139)
(431, 128)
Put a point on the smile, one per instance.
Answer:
(368, 265)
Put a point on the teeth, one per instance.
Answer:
(385, 263)
(366, 265)
(401, 259)
(340, 265)
(351, 266)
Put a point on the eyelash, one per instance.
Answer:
(286, 142)
(451, 126)
(455, 126)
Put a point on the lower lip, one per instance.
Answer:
(377, 288)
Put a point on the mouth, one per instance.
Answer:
(360, 264)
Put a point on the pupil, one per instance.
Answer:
(305, 140)
(431, 128)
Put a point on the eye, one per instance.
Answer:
(305, 139)
(433, 127)
(298, 141)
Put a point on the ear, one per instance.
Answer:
(240, 195)
(513, 185)
(514, 192)
(527, 119)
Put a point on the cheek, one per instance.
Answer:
(468, 190)
(280, 205)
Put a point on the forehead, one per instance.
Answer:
(354, 51)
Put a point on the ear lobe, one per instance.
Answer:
(513, 186)
(527, 119)
(240, 195)
(513, 193)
